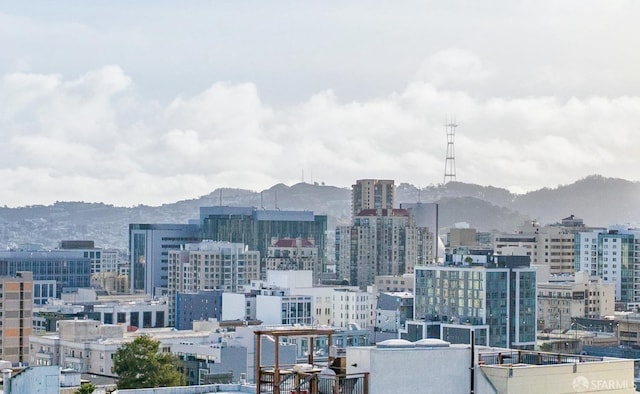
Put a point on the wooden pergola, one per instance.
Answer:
(277, 373)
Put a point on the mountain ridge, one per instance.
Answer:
(599, 200)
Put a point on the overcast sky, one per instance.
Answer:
(150, 102)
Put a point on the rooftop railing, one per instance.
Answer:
(533, 358)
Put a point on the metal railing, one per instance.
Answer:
(303, 382)
(533, 358)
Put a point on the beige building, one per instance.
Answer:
(393, 283)
(372, 194)
(16, 320)
(461, 237)
(381, 242)
(110, 281)
(563, 297)
(628, 325)
(293, 254)
(88, 346)
(549, 245)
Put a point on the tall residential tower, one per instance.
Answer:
(371, 194)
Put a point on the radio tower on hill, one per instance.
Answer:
(450, 160)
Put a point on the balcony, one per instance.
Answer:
(44, 355)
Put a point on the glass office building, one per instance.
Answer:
(256, 228)
(496, 300)
(67, 268)
(612, 255)
(149, 246)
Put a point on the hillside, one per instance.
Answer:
(598, 200)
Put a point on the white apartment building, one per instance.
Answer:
(286, 295)
(145, 314)
(208, 266)
(293, 254)
(614, 256)
(277, 306)
(354, 306)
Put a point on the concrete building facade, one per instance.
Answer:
(210, 265)
(563, 298)
(16, 322)
(372, 194)
(293, 254)
(381, 242)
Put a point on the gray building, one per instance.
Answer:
(212, 363)
(425, 215)
(149, 245)
(203, 305)
(381, 242)
(393, 311)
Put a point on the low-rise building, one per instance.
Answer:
(561, 298)
(432, 365)
(88, 346)
(145, 314)
(395, 282)
(393, 310)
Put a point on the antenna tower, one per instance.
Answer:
(450, 160)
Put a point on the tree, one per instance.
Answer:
(139, 364)
(86, 388)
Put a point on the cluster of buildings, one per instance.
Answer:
(203, 288)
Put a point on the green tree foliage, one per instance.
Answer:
(140, 365)
(86, 388)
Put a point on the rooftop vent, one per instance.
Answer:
(395, 343)
(431, 342)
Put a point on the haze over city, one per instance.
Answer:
(154, 102)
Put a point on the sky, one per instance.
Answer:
(152, 102)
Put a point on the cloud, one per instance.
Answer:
(93, 138)
(453, 65)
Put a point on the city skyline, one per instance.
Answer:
(151, 103)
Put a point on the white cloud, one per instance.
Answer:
(93, 138)
(453, 66)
